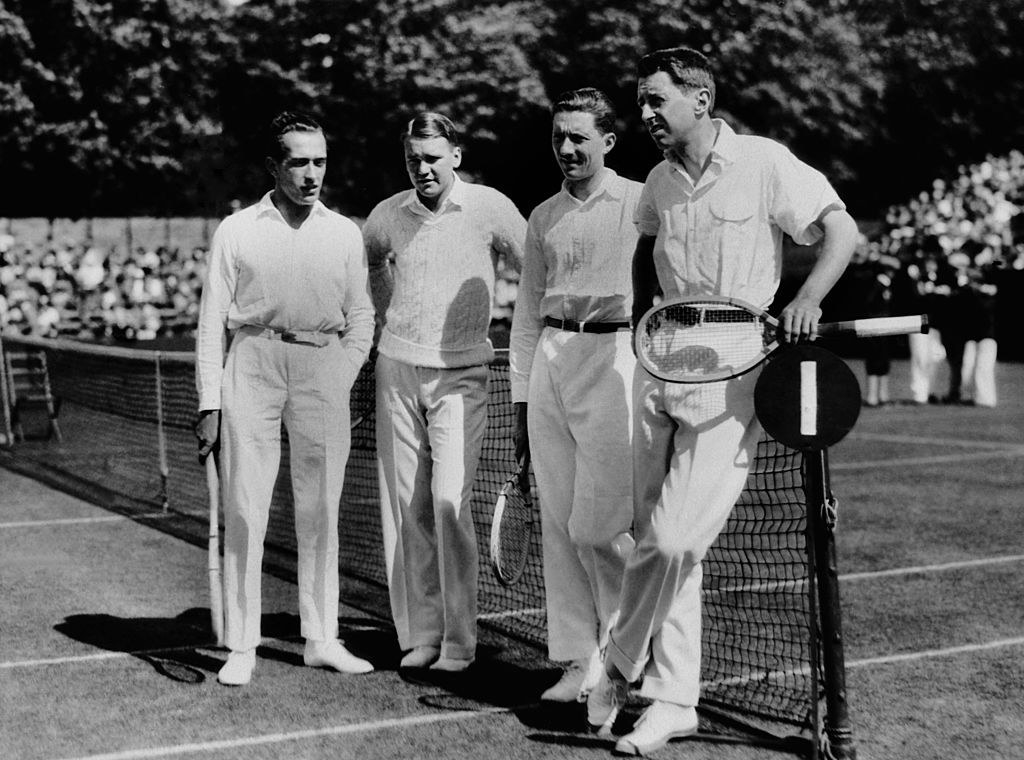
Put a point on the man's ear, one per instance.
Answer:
(609, 141)
(271, 166)
(703, 101)
(456, 157)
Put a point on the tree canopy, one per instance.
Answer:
(157, 106)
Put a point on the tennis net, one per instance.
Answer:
(126, 419)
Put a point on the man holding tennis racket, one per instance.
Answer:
(571, 377)
(431, 251)
(286, 287)
(711, 219)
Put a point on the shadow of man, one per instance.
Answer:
(178, 648)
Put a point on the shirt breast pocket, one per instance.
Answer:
(733, 222)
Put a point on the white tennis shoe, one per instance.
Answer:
(452, 664)
(237, 671)
(577, 681)
(605, 701)
(332, 654)
(660, 723)
(420, 657)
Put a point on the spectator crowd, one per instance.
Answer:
(78, 290)
(945, 254)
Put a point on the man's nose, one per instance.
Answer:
(646, 112)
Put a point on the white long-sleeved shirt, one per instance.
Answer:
(577, 265)
(265, 273)
(439, 312)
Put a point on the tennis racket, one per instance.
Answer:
(702, 339)
(213, 551)
(512, 525)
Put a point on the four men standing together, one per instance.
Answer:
(617, 455)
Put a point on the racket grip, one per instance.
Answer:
(213, 552)
(877, 327)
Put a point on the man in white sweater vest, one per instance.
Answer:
(431, 252)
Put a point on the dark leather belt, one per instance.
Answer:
(305, 337)
(572, 325)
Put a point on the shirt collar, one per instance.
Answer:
(266, 206)
(456, 197)
(610, 186)
(725, 149)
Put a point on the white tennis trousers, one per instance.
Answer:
(430, 430)
(266, 382)
(580, 424)
(693, 447)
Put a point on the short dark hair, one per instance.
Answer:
(686, 67)
(427, 125)
(285, 122)
(588, 100)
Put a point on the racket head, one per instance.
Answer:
(512, 526)
(703, 339)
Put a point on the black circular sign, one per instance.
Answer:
(807, 397)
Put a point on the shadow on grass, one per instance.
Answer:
(176, 647)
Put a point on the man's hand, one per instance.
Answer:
(799, 320)
(520, 434)
(208, 432)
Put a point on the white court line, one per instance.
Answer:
(913, 570)
(775, 675)
(420, 720)
(511, 613)
(81, 520)
(254, 741)
(966, 442)
(940, 459)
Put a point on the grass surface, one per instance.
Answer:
(104, 645)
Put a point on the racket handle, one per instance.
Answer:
(877, 327)
(213, 552)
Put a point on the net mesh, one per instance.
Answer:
(122, 433)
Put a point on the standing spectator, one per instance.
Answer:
(288, 280)
(431, 252)
(878, 297)
(572, 361)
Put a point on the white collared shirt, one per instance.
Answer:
(264, 272)
(723, 235)
(577, 264)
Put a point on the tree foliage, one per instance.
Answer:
(158, 106)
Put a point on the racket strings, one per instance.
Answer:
(514, 522)
(704, 340)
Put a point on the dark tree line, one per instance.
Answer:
(114, 107)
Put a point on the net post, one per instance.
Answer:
(838, 731)
(161, 437)
(5, 397)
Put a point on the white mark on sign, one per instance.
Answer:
(808, 398)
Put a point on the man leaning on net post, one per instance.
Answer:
(711, 218)
(286, 290)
